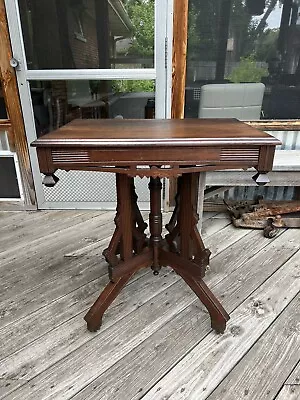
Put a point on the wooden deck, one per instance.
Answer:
(155, 342)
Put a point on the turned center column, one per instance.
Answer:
(155, 221)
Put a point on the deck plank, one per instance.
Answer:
(172, 342)
(291, 388)
(24, 232)
(100, 353)
(7, 385)
(207, 364)
(43, 256)
(264, 369)
(294, 378)
(71, 330)
(289, 392)
(153, 328)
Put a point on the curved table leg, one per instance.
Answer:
(123, 234)
(111, 291)
(192, 258)
(218, 315)
(190, 273)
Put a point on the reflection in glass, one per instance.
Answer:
(236, 41)
(56, 103)
(88, 33)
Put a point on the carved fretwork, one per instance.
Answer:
(183, 249)
(113, 250)
(187, 213)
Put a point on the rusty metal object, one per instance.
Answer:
(266, 215)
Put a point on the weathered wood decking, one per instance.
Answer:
(155, 342)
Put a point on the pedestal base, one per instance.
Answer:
(182, 249)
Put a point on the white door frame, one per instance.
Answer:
(161, 73)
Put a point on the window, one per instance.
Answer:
(246, 41)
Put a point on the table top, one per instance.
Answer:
(155, 133)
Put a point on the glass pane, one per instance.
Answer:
(9, 188)
(56, 103)
(236, 41)
(88, 33)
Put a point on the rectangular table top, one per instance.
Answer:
(153, 132)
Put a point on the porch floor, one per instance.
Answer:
(155, 342)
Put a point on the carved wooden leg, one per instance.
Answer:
(110, 253)
(191, 244)
(111, 291)
(139, 223)
(194, 257)
(218, 315)
(139, 226)
(173, 220)
(94, 316)
(192, 276)
(155, 221)
(172, 227)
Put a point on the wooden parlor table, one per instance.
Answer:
(156, 149)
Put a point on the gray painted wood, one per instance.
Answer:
(264, 369)
(7, 385)
(48, 252)
(156, 322)
(30, 230)
(172, 342)
(289, 392)
(294, 378)
(207, 364)
(44, 352)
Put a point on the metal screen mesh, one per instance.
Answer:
(90, 186)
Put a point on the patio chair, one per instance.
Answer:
(231, 100)
(227, 100)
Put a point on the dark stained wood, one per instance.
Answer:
(208, 144)
(155, 221)
(149, 132)
(10, 90)
(180, 28)
(188, 146)
(265, 159)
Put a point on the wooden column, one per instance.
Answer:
(180, 27)
(13, 106)
(180, 30)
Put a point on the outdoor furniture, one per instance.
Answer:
(156, 149)
(231, 100)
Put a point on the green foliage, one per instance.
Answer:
(202, 32)
(241, 28)
(141, 14)
(123, 86)
(267, 45)
(247, 71)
